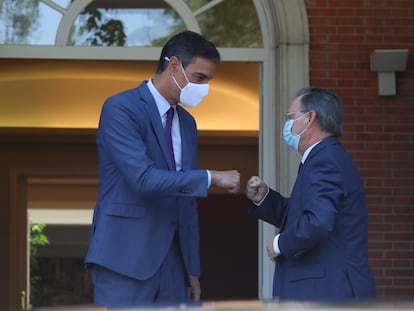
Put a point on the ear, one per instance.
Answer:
(311, 117)
(173, 64)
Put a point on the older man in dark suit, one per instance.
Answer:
(321, 249)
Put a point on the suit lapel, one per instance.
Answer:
(327, 141)
(155, 120)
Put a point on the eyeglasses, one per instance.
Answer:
(289, 115)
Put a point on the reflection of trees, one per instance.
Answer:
(232, 23)
(100, 30)
(37, 239)
(177, 28)
(20, 20)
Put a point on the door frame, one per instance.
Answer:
(18, 252)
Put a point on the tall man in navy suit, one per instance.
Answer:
(321, 249)
(144, 245)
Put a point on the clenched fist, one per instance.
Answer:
(255, 189)
(229, 180)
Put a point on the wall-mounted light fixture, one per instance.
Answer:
(387, 63)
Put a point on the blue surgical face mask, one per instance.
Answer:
(291, 138)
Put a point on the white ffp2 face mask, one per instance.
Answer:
(192, 93)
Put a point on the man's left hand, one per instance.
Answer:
(270, 249)
(194, 292)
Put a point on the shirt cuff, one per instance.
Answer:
(276, 244)
(264, 197)
(209, 178)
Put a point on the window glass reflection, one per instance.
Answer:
(63, 3)
(128, 22)
(48, 23)
(10, 21)
(196, 4)
(219, 27)
(125, 23)
(28, 22)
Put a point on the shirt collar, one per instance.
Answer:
(160, 101)
(307, 151)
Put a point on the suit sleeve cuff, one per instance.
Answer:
(261, 201)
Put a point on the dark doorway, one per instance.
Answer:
(229, 252)
(59, 276)
(229, 262)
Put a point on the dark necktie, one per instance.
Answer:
(168, 136)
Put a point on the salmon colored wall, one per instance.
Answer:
(70, 93)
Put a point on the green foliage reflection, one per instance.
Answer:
(19, 19)
(231, 23)
(37, 238)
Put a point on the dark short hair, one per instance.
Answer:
(327, 106)
(186, 46)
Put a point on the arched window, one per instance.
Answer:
(27, 27)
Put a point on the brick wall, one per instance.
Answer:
(378, 131)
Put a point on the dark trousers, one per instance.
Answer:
(169, 285)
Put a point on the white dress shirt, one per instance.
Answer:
(163, 107)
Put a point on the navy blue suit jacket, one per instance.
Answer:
(323, 230)
(142, 203)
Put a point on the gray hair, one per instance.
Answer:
(327, 106)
